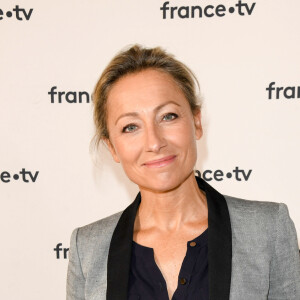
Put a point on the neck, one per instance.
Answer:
(170, 211)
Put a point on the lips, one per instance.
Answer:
(160, 162)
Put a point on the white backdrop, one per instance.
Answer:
(66, 44)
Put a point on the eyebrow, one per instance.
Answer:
(156, 109)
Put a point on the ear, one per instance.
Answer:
(197, 123)
(112, 150)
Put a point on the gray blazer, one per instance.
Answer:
(252, 252)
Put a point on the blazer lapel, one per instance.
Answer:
(219, 243)
(219, 248)
(118, 264)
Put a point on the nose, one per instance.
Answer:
(154, 138)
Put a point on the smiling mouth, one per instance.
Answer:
(160, 162)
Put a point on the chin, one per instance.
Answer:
(162, 182)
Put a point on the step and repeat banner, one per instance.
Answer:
(245, 55)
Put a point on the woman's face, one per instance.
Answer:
(152, 130)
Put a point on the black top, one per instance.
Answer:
(146, 282)
(219, 247)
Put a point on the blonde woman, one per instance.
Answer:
(180, 238)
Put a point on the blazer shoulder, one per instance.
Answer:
(265, 246)
(89, 248)
(98, 231)
(261, 216)
(261, 207)
(104, 223)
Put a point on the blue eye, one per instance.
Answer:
(129, 128)
(170, 116)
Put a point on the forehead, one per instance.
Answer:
(143, 90)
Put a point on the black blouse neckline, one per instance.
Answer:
(219, 247)
(201, 240)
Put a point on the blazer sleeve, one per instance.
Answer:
(75, 277)
(285, 263)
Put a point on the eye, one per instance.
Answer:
(170, 117)
(129, 128)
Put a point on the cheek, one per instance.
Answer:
(127, 151)
(182, 135)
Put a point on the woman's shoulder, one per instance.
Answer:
(257, 213)
(240, 204)
(100, 230)
(105, 223)
(90, 243)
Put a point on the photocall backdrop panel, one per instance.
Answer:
(246, 57)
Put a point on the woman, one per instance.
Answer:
(180, 238)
